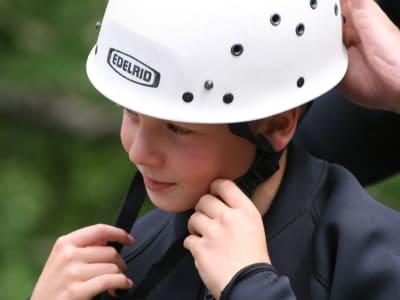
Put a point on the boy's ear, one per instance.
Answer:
(279, 129)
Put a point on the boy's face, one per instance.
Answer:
(180, 160)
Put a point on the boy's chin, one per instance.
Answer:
(171, 206)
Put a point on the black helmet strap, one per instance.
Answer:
(265, 164)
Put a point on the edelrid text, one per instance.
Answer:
(132, 69)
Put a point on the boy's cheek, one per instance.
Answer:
(126, 137)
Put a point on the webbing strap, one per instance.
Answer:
(127, 216)
(263, 167)
(130, 208)
(129, 212)
(158, 271)
(265, 164)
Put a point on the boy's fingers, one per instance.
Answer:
(95, 270)
(102, 254)
(198, 223)
(103, 283)
(93, 235)
(190, 242)
(210, 206)
(229, 192)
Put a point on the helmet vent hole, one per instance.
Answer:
(300, 82)
(300, 29)
(187, 97)
(237, 50)
(228, 98)
(208, 85)
(314, 4)
(275, 19)
(98, 25)
(336, 9)
(95, 50)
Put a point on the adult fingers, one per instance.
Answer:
(368, 21)
(350, 34)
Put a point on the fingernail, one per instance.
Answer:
(112, 293)
(131, 239)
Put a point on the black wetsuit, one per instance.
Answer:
(327, 240)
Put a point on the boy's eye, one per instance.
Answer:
(178, 130)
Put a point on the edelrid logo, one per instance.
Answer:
(132, 69)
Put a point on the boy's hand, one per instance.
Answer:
(80, 266)
(225, 236)
(373, 43)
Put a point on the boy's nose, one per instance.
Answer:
(144, 149)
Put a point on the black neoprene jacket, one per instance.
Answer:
(327, 238)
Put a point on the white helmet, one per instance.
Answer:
(217, 61)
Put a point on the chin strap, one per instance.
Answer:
(130, 208)
(127, 216)
(265, 164)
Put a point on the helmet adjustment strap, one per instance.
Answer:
(131, 206)
(127, 216)
(265, 164)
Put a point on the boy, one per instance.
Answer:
(213, 92)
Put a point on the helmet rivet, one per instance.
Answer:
(313, 4)
(187, 97)
(237, 50)
(98, 25)
(228, 98)
(300, 82)
(300, 29)
(209, 84)
(275, 19)
(336, 9)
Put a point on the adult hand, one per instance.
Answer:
(80, 266)
(373, 44)
(225, 236)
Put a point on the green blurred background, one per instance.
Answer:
(62, 165)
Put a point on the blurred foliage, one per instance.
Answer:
(54, 180)
(51, 183)
(387, 192)
(50, 39)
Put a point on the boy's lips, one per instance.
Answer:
(156, 186)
